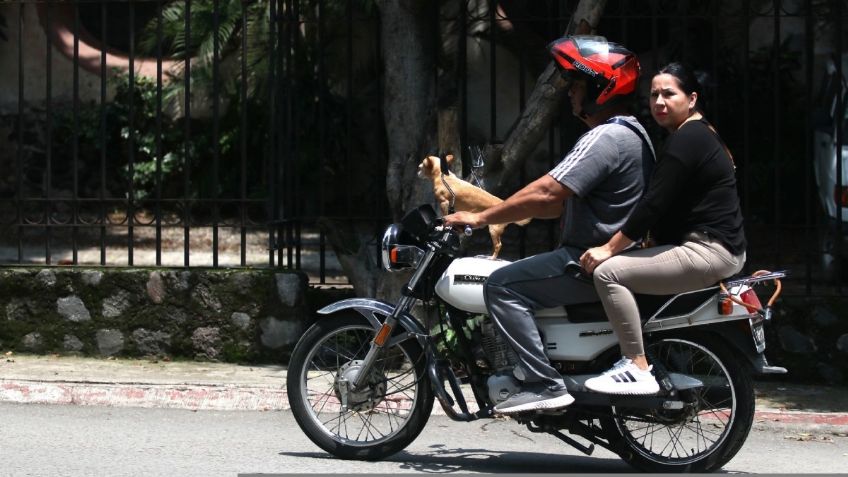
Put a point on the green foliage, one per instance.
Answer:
(281, 84)
(446, 338)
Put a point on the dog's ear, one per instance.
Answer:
(432, 163)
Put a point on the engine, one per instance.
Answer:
(498, 353)
(501, 359)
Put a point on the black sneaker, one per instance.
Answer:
(527, 400)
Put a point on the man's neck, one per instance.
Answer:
(602, 116)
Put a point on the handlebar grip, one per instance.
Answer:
(468, 230)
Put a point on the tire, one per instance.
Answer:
(701, 437)
(379, 421)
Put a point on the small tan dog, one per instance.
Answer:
(469, 197)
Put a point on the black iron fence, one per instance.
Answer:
(218, 132)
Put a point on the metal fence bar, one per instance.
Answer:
(187, 140)
(243, 140)
(778, 236)
(809, 46)
(19, 180)
(461, 73)
(746, 112)
(103, 75)
(840, 118)
(322, 137)
(349, 102)
(493, 102)
(75, 129)
(131, 139)
(48, 94)
(216, 134)
(159, 149)
(272, 150)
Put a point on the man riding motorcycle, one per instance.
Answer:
(593, 190)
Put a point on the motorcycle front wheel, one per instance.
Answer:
(711, 427)
(377, 420)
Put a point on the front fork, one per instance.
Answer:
(385, 332)
(379, 341)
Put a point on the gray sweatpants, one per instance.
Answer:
(700, 262)
(515, 292)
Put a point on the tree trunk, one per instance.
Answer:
(409, 104)
(541, 109)
(410, 117)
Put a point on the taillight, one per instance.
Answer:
(725, 304)
(752, 302)
(840, 195)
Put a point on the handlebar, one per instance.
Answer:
(440, 227)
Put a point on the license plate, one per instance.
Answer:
(759, 334)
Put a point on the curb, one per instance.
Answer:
(240, 397)
(170, 396)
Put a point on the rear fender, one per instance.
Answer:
(374, 311)
(740, 343)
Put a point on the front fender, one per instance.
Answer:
(369, 308)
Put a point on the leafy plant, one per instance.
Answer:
(446, 337)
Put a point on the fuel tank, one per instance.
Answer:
(461, 284)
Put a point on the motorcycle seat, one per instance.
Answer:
(680, 304)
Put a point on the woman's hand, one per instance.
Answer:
(462, 218)
(593, 257)
(597, 255)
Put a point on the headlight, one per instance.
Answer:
(395, 255)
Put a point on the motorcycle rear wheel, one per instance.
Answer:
(381, 419)
(708, 434)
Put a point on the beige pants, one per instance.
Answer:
(699, 262)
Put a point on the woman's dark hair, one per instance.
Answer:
(688, 80)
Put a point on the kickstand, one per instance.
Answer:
(559, 435)
(584, 449)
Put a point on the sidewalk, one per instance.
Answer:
(223, 386)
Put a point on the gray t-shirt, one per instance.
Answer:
(607, 170)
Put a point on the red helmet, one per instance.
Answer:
(611, 70)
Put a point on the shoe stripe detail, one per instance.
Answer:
(632, 379)
(621, 378)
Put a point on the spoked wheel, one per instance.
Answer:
(373, 421)
(711, 427)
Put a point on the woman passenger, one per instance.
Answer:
(692, 210)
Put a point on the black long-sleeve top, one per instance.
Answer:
(692, 189)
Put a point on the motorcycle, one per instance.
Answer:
(362, 381)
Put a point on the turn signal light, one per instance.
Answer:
(383, 334)
(725, 305)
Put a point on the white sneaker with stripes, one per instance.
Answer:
(624, 378)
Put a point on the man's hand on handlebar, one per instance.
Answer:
(460, 220)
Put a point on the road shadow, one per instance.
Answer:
(440, 459)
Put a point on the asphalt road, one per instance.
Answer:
(81, 440)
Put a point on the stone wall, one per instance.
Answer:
(218, 314)
(256, 315)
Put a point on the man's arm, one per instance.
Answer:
(542, 198)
